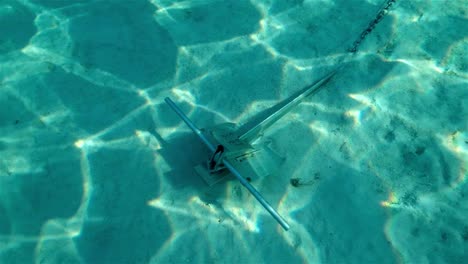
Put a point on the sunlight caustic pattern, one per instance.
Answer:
(95, 167)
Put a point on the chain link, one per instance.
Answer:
(372, 25)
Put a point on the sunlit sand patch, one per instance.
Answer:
(186, 53)
(94, 76)
(391, 201)
(455, 58)
(322, 107)
(268, 30)
(300, 68)
(27, 103)
(49, 21)
(362, 99)
(202, 213)
(172, 246)
(141, 138)
(81, 214)
(12, 241)
(298, 237)
(6, 9)
(19, 164)
(184, 95)
(433, 214)
(148, 139)
(168, 5)
(423, 205)
(167, 206)
(231, 215)
(199, 55)
(162, 12)
(87, 144)
(273, 26)
(246, 215)
(422, 65)
(251, 109)
(181, 205)
(362, 112)
(265, 22)
(54, 117)
(355, 115)
(68, 231)
(188, 97)
(389, 234)
(22, 69)
(194, 82)
(203, 54)
(123, 121)
(358, 115)
(296, 66)
(319, 127)
(240, 214)
(303, 243)
(267, 47)
(64, 230)
(214, 112)
(456, 142)
(80, 143)
(144, 94)
(431, 203)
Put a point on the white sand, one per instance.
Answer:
(96, 168)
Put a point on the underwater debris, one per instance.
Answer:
(298, 182)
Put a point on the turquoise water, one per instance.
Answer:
(96, 168)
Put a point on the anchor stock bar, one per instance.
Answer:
(228, 165)
(190, 124)
(257, 195)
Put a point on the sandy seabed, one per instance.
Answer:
(96, 168)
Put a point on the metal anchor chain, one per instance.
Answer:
(372, 25)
